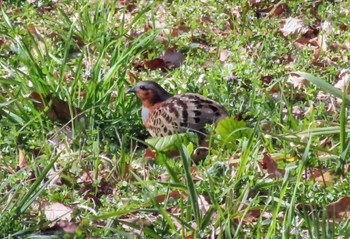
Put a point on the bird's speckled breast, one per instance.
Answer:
(144, 113)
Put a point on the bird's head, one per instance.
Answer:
(150, 93)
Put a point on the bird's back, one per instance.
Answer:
(182, 113)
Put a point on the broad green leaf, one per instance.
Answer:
(190, 148)
(172, 142)
(229, 130)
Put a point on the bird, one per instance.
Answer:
(166, 114)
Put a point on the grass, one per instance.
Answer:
(84, 53)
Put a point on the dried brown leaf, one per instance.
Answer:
(208, 64)
(337, 45)
(68, 227)
(57, 211)
(298, 112)
(224, 54)
(129, 5)
(156, 63)
(325, 179)
(297, 81)
(58, 109)
(279, 9)
(22, 162)
(191, 236)
(256, 3)
(326, 30)
(301, 42)
(174, 195)
(271, 10)
(330, 101)
(339, 209)
(271, 166)
(163, 177)
(203, 204)
(293, 26)
(173, 58)
(312, 173)
(266, 80)
(343, 80)
(150, 154)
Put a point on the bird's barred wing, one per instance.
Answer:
(181, 113)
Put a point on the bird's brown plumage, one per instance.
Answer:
(166, 114)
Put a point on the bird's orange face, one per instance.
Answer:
(146, 95)
(150, 93)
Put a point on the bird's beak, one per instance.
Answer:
(131, 90)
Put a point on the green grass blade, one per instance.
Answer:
(186, 161)
(324, 85)
(30, 196)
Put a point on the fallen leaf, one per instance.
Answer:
(134, 222)
(57, 109)
(129, 5)
(266, 80)
(68, 227)
(163, 177)
(325, 179)
(237, 12)
(33, 29)
(203, 204)
(205, 19)
(175, 32)
(173, 58)
(311, 173)
(150, 154)
(271, 11)
(327, 142)
(343, 80)
(208, 64)
(293, 26)
(182, 27)
(330, 101)
(45, 9)
(301, 42)
(252, 216)
(255, 3)
(339, 209)
(58, 211)
(326, 30)
(297, 81)
(156, 63)
(298, 112)
(336, 45)
(22, 162)
(279, 9)
(13, 11)
(191, 236)
(224, 54)
(271, 166)
(343, 27)
(174, 195)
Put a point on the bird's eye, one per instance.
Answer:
(142, 87)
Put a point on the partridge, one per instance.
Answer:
(165, 114)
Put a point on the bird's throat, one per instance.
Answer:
(144, 113)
